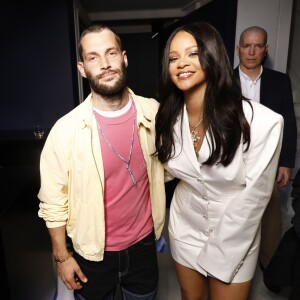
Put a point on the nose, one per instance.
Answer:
(183, 62)
(252, 50)
(104, 63)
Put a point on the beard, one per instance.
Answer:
(108, 91)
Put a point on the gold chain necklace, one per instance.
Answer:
(195, 136)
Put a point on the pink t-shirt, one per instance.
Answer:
(127, 206)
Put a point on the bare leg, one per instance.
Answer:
(193, 285)
(228, 291)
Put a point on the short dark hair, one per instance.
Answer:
(97, 28)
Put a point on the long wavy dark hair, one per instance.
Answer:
(223, 114)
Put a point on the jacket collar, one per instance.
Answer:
(143, 114)
(184, 138)
(87, 112)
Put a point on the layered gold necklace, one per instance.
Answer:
(196, 136)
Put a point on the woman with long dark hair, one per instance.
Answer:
(224, 149)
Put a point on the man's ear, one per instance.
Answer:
(80, 68)
(237, 48)
(267, 49)
(125, 58)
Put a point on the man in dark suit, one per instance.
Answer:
(272, 89)
(284, 267)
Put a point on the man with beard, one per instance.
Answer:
(101, 184)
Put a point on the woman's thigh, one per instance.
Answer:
(228, 291)
(193, 285)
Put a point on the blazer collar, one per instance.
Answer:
(184, 138)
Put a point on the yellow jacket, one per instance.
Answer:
(72, 176)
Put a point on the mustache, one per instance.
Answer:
(99, 76)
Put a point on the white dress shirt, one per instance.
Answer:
(251, 88)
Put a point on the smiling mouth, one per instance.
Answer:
(185, 74)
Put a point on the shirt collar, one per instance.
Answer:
(246, 77)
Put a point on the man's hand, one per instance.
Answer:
(70, 273)
(283, 176)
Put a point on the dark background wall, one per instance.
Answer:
(143, 63)
(37, 74)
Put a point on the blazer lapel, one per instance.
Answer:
(186, 141)
(266, 89)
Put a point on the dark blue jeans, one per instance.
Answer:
(129, 274)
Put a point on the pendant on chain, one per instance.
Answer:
(131, 174)
(195, 139)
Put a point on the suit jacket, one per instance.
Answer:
(230, 199)
(276, 94)
(284, 266)
(296, 203)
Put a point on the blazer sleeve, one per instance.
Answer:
(289, 142)
(276, 93)
(232, 238)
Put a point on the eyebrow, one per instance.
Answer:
(107, 50)
(188, 48)
(255, 44)
(91, 53)
(112, 48)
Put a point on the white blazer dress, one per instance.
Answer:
(215, 213)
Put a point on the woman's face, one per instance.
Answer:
(184, 65)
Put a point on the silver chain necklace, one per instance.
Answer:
(127, 162)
